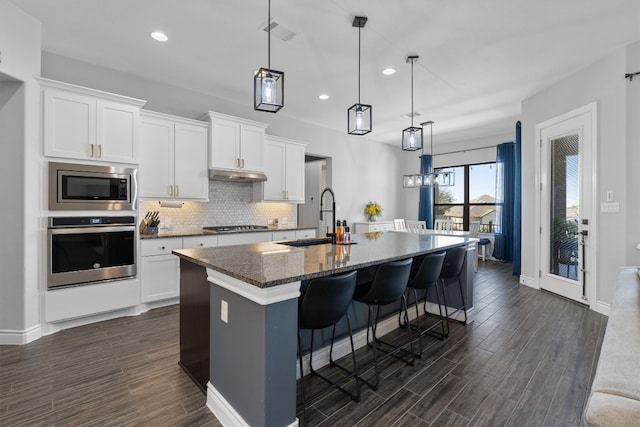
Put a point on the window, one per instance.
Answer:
(472, 198)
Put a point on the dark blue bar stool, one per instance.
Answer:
(426, 278)
(452, 268)
(324, 303)
(387, 287)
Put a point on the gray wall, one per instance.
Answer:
(604, 83)
(20, 173)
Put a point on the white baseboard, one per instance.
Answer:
(224, 412)
(529, 281)
(602, 308)
(13, 337)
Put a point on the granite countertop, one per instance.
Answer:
(270, 264)
(201, 232)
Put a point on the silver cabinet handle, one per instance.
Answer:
(99, 151)
(90, 150)
(238, 163)
(177, 190)
(171, 190)
(242, 163)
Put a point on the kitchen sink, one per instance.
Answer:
(307, 242)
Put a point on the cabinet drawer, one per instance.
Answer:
(284, 235)
(305, 234)
(159, 246)
(199, 242)
(243, 239)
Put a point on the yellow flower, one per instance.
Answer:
(373, 209)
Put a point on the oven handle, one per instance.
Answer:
(85, 230)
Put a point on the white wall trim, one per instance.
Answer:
(262, 296)
(602, 308)
(225, 413)
(529, 281)
(11, 337)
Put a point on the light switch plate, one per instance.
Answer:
(224, 311)
(611, 207)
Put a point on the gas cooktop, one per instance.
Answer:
(235, 228)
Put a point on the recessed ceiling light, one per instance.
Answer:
(159, 36)
(388, 71)
(323, 96)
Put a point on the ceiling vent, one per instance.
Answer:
(409, 115)
(278, 31)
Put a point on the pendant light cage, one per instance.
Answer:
(412, 136)
(359, 115)
(429, 179)
(268, 84)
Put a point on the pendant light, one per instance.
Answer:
(268, 87)
(359, 115)
(444, 179)
(412, 136)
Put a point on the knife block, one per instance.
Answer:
(145, 229)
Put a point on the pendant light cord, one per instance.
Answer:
(269, 36)
(412, 93)
(359, 30)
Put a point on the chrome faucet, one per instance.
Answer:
(333, 212)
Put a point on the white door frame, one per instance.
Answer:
(591, 253)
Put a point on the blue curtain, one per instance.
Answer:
(505, 162)
(517, 202)
(425, 207)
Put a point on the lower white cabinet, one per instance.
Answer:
(191, 242)
(306, 234)
(370, 227)
(284, 235)
(159, 269)
(243, 238)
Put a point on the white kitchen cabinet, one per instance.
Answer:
(370, 227)
(243, 238)
(191, 242)
(235, 143)
(284, 167)
(306, 234)
(159, 269)
(87, 124)
(173, 160)
(284, 235)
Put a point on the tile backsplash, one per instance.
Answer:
(230, 203)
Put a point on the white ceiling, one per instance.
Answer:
(478, 59)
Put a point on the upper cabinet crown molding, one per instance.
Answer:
(55, 84)
(235, 143)
(88, 124)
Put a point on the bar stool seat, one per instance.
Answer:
(452, 268)
(427, 277)
(388, 286)
(323, 303)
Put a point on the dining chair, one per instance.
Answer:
(443, 225)
(399, 225)
(416, 226)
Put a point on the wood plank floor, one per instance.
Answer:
(528, 359)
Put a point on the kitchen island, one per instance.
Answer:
(251, 293)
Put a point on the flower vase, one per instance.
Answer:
(372, 218)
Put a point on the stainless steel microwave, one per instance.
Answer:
(90, 187)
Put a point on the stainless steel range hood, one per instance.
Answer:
(236, 176)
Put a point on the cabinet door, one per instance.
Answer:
(190, 160)
(69, 125)
(225, 144)
(274, 155)
(251, 145)
(294, 173)
(155, 174)
(160, 278)
(117, 132)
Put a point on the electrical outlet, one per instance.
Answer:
(610, 196)
(224, 311)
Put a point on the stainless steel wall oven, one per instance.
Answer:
(84, 250)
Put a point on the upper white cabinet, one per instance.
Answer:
(284, 167)
(173, 159)
(236, 144)
(87, 124)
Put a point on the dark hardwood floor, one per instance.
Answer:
(528, 359)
